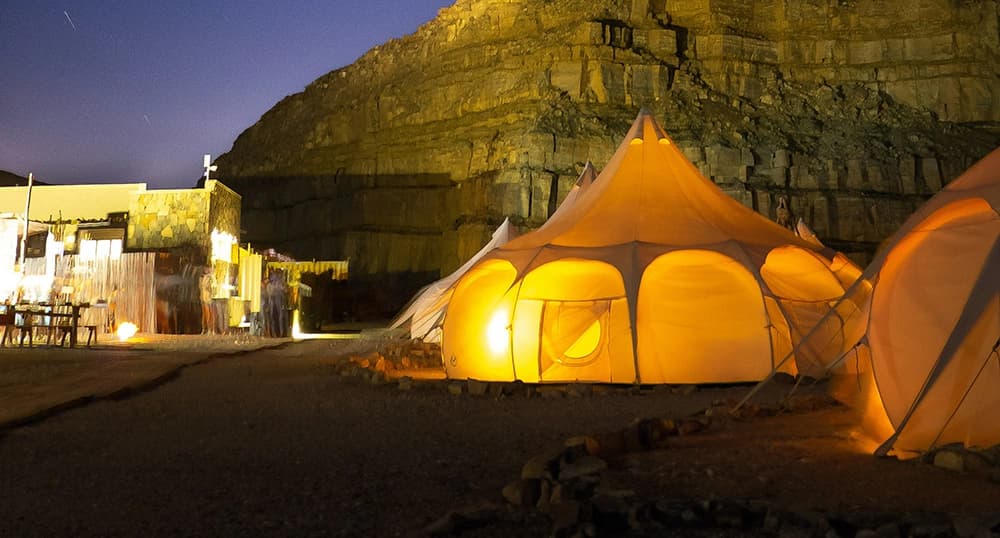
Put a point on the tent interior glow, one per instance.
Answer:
(497, 334)
(587, 343)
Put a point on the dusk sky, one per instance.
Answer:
(119, 91)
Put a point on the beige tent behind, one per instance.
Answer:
(425, 310)
(929, 359)
(651, 275)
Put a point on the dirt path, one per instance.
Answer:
(277, 442)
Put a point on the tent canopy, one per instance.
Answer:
(650, 274)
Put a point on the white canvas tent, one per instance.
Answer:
(652, 275)
(425, 310)
(927, 356)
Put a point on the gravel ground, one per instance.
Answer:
(275, 442)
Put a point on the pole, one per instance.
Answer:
(24, 235)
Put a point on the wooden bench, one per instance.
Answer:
(66, 330)
(66, 318)
(59, 321)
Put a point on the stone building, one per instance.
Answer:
(131, 217)
(147, 249)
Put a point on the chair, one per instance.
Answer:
(26, 327)
(61, 321)
(7, 320)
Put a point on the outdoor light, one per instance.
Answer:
(126, 330)
(496, 332)
(222, 246)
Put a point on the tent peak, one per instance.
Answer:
(637, 133)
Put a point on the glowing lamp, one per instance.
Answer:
(126, 330)
(497, 336)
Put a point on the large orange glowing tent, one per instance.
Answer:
(651, 275)
(928, 357)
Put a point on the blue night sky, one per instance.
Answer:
(119, 91)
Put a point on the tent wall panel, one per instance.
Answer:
(562, 306)
(781, 339)
(806, 287)
(526, 338)
(480, 345)
(701, 319)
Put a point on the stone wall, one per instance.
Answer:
(163, 219)
(404, 161)
(224, 208)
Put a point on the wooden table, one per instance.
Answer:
(52, 311)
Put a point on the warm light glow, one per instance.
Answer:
(859, 392)
(9, 280)
(88, 250)
(296, 329)
(875, 422)
(222, 246)
(496, 332)
(126, 330)
(103, 249)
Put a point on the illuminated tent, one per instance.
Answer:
(652, 275)
(929, 359)
(424, 311)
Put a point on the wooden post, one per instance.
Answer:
(24, 235)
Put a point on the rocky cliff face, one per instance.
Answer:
(856, 110)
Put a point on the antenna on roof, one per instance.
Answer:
(209, 167)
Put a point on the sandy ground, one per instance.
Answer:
(277, 442)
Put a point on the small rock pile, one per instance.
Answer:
(984, 462)
(413, 353)
(565, 487)
(394, 360)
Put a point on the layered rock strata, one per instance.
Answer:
(406, 160)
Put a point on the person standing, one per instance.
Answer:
(205, 294)
(112, 307)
